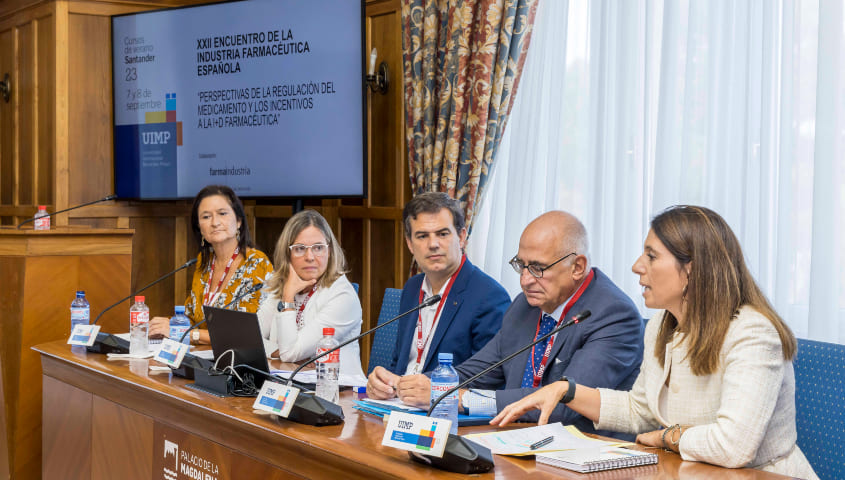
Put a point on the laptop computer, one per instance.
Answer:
(241, 333)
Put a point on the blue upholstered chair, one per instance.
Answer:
(385, 339)
(820, 406)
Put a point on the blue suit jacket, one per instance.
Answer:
(604, 350)
(470, 317)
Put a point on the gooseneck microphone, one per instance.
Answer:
(310, 409)
(108, 343)
(462, 455)
(426, 303)
(104, 199)
(253, 289)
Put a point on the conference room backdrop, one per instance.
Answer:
(626, 108)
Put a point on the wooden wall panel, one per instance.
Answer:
(26, 138)
(45, 79)
(67, 432)
(90, 155)
(8, 52)
(152, 257)
(128, 456)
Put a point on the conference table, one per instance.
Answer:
(106, 419)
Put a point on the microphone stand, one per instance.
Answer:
(108, 343)
(462, 455)
(309, 409)
(104, 199)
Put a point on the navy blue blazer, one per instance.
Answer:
(471, 316)
(604, 350)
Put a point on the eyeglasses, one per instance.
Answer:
(318, 249)
(535, 270)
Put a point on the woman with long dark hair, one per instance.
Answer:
(228, 263)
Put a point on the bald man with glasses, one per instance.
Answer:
(557, 283)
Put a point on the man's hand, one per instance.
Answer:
(415, 390)
(381, 384)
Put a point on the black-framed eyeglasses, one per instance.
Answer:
(535, 270)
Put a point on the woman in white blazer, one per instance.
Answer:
(716, 384)
(307, 292)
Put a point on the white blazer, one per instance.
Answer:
(336, 306)
(743, 414)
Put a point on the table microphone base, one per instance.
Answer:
(310, 409)
(459, 456)
(108, 343)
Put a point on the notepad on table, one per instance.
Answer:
(596, 459)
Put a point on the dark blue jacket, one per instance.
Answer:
(471, 316)
(604, 350)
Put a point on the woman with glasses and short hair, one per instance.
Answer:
(307, 292)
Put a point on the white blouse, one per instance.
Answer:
(336, 306)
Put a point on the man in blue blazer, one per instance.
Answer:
(468, 315)
(605, 350)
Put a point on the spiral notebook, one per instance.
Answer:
(594, 460)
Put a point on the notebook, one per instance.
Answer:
(380, 409)
(596, 459)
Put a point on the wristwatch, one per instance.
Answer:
(288, 305)
(570, 392)
(195, 335)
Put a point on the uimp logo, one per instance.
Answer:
(155, 138)
(171, 457)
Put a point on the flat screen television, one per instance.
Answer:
(266, 96)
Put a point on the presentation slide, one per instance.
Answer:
(265, 96)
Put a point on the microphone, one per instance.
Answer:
(191, 363)
(310, 409)
(108, 343)
(462, 455)
(104, 199)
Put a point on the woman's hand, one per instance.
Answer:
(159, 327)
(544, 399)
(652, 439)
(295, 284)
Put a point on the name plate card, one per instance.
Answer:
(83, 335)
(276, 398)
(417, 433)
(171, 352)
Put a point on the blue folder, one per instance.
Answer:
(381, 410)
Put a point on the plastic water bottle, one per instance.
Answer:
(179, 324)
(42, 218)
(139, 325)
(443, 378)
(80, 310)
(328, 367)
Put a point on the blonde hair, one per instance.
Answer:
(335, 267)
(719, 285)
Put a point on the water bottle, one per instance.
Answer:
(139, 325)
(80, 310)
(443, 378)
(42, 218)
(179, 324)
(328, 367)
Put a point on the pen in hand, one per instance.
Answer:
(542, 443)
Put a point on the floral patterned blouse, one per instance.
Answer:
(256, 268)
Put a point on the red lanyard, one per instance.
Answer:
(206, 294)
(538, 374)
(420, 342)
(302, 307)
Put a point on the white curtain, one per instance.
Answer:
(628, 107)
